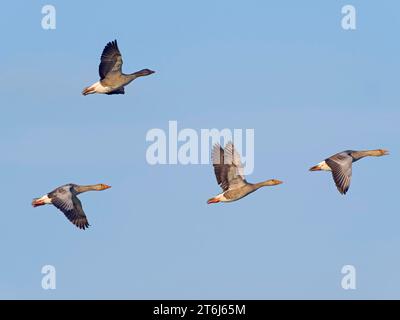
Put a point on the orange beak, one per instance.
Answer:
(105, 187)
(37, 203)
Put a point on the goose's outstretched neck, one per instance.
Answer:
(270, 182)
(92, 187)
(369, 153)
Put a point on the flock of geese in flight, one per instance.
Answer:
(226, 161)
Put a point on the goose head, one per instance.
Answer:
(383, 152)
(144, 72)
(273, 182)
(102, 186)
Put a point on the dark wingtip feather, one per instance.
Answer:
(82, 224)
(344, 191)
(110, 46)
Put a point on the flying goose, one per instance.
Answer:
(65, 198)
(228, 170)
(112, 80)
(341, 165)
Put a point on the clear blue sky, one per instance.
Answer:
(285, 68)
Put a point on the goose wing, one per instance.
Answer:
(66, 201)
(111, 60)
(341, 165)
(120, 90)
(228, 168)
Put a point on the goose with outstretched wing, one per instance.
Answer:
(65, 199)
(341, 164)
(228, 170)
(112, 79)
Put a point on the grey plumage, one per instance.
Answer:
(228, 168)
(228, 171)
(111, 60)
(112, 79)
(341, 165)
(65, 199)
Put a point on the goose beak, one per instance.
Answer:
(385, 152)
(106, 187)
(315, 168)
(278, 182)
(151, 72)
